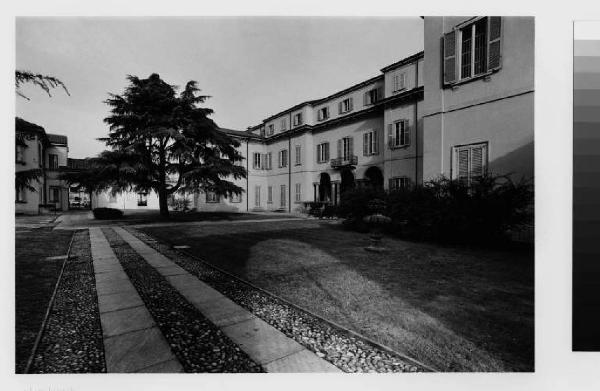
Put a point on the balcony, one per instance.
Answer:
(348, 161)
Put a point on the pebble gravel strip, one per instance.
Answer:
(72, 339)
(344, 350)
(198, 344)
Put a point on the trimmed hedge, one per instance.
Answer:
(107, 213)
(447, 210)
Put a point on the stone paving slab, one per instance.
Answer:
(125, 321)
(132, 341)
(302, 361)
(118, 301)
(262, 342)
(137, 351)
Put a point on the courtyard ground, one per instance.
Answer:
(452, 308)
(35, 277)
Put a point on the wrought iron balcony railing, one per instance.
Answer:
(341, 162)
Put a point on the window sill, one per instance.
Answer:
(399, 146)
(213, 202)
(298, 164)
(485, 76)
(399, 90)
(20, 202)
(371, 154)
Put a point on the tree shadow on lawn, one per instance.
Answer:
(451, 307)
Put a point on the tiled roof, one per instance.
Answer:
(240, 133)
(404, 61)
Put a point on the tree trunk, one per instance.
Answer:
(162, 202)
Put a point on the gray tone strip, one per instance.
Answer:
(262, 342)
(132, 342)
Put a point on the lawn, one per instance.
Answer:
(453, 308)
(35, 278)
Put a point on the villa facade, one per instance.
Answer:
(462, 107)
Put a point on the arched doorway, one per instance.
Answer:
(374, 177)
(324, 187)
(347, 180)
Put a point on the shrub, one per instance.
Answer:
(107, 213)
(447, 210)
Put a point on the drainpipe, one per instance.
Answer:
(417, 124)
(290, 166)
(247, 173)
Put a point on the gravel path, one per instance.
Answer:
(346, 351)
(72, 340)
(199, 345)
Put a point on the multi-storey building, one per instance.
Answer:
(37, 150)
(462, 107)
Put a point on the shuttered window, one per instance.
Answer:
(270, 195)
(268, 161)
(256, 161)
(472, 50)
(345, 106)
(470, 162)
(399, 183)
(298, 155)
(399, 134)
(323, 113)
(370, 143)
(283, 197)
(399, 81)
(298, 193)
(345, 148)
(257, 196)
(283, 158)
(283, 124)
(271, 130)
(297, 119)
(372, 96)
(323, 153)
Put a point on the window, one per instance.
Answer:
(142, 199)
(469, 162)
(283, 197)
(270, 195)
(257, 196)
(53, 161)
(20, 195)
(323, 153)
(270, 130)
(345, 148)
(370, 143)
(472, 50)
(54, 194)
(371, 97)
(112, 198)
(283, 124)
(399, 134)
(298, 155)
(399, 183)
(345, 106)
(399, 81)
(283, 158)
(235, 198)
(256, 163)
(298, 192)
(269, 161)
(211, 197)
(20, 154)
(323, 113)
(297, 119)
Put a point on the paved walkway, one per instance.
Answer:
(132, 341)
(123, 315)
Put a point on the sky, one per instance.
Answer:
(252, 67)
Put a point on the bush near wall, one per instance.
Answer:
(107, 213)
(446, 210)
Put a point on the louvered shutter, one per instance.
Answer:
(326, 151)
(366, 98)
(340, 108)
(339, 148)
(462, 165)
(380, 93)
(376, 142)
(279, 159)
(365, 144)
(450, 57)
(494, 42)
(263, 161)
(391, 135)
(319, 153)
(351, 104)
(406, 132)
(350, 146)
(477, 161)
